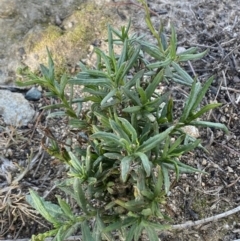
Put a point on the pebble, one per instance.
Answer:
(204, 162)
(184, 176)
(15, 109)
(229, 169)
(33, 94)
(223, 119)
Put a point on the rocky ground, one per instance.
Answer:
(212, 25)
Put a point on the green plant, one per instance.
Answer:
(120, 177)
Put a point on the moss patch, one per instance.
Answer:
(71, 45)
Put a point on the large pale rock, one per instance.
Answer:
(15, 109)
(66, 27)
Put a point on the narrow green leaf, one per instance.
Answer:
(78, 123)
(129, 129)
(152, 50)
(132, 60)
(106, 137)
(142, 94)
(92, 73)
(166, 147)
(75, 163)
(95, 91)
(56, 114)
(79, 195)
(182, 73)
(102, 229)
(138, 232)
(152, 235)
(123, 55)
(155, 140)
(210, 124)
(160, 64)
(65, 207)
(63, 83)
(113, 155)
(96, 82)
(131, 232)
(120, 75)
(188, 57)
(153, 85)
(110, 42)
(205, 109)
(159, 182)
(179, 80)
(67, 231)
(50, 66)
(170, 110)
(133, 81)
(132, 96)
(176, 143)
(106, 60)
(146, 193)
(38, 204)
(184, 149)
(103, 119)
(133, 205)
(165, 178)
(31, 82)
(119, 131)
(108, 97)
(191, 50)
(116, 32)
(156, 226)
(125, 167)
(119, 224)
(86, 233)
(202, 93)
(145, 162)
(173, 43)
(190, 103)
(132, 109)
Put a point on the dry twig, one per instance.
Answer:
(205, 220)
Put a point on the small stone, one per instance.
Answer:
(16, 110)
(180, 50)
(40, 88)
(229, 169)
(204, 162)
(223, 119)
(226, 109)
(9, 152)
(33, 94)
(184, 176)
(203, 184)
(236, 79)
(191, 131)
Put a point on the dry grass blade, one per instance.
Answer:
(13, 207)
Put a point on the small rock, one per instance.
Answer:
(204, 162)
(236, 79)
(223, 119)
(33, 94)
(15, 109)
(229, 169)
(180, 50)
(191, 131)
(184, 176)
